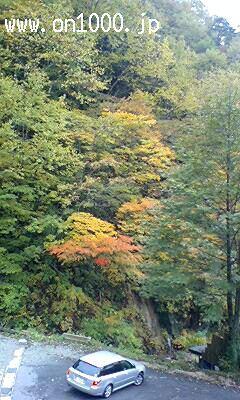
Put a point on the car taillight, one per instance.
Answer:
(96, 383)
(68, 372)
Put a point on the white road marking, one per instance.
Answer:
(8, 380)
(19, 352)
(15, 363)
(10, 377)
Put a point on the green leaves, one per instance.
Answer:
(38, 165)
(10, 263)
(69, 61)
(79, 137)
(193, 241)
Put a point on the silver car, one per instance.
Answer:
(102, 373)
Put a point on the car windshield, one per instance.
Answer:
(86, 368)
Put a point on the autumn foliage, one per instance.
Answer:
(93, 239)
(132, 216)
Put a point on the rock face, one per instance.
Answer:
(147, 310)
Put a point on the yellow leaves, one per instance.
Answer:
(132, 215)
(213, 239)
(87, 138)
(147, 178)
(212, 216)
(222, 174)
(170, 226)
(162, 158)
(139, 274)
(85, 224)
(187, 239)
(126, 144)
(223, 258)
(194, 252)
(129, 119)
(139, 103)
(106, 163)
(164, 256)
(112, 320)
(155, 154)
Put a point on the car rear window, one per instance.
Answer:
(86, 368)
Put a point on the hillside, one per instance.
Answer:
(120, 175)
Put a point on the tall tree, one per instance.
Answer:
(124, 157)
(222, 32)
(196, 245)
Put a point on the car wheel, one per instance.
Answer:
(107, 392)
(139, 379)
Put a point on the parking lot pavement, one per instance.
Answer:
(42, 377)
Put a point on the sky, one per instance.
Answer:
(229, 9)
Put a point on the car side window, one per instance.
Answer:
(110, 369)
(125, 365)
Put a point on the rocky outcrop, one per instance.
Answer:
(147, 310)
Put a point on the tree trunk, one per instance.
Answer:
(228, 240)
(234, 331)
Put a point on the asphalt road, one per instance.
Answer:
(41, 376)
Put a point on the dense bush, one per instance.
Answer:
(113, 331)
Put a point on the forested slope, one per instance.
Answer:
(99, 137)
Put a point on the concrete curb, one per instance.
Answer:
(76, 338)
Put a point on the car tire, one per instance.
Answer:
(107, 392)
(139, 379)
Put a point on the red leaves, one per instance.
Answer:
(102, 262)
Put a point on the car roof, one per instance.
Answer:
(101, 358)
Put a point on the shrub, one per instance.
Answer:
(188, 339)
(113, 331)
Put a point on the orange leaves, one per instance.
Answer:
(97, 240)
(69, 251)
(136, 207)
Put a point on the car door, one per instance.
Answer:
(120, 375)
(114, 374)
(129, 372)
